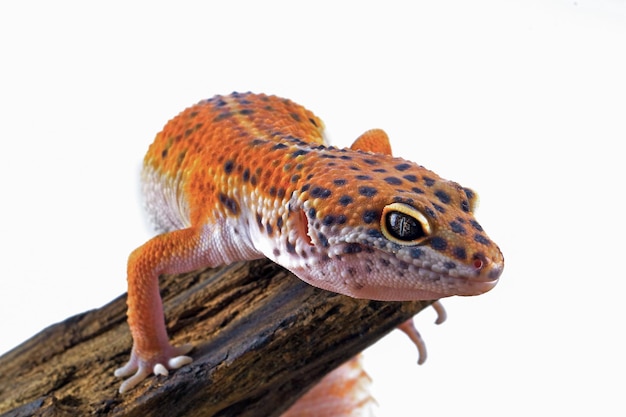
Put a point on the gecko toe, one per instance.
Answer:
(178, 361)
(131, 382)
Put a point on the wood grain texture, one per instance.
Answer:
(262, 338)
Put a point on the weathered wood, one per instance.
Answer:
(262, 337)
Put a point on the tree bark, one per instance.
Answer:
(262, 338)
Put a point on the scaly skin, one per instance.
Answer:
(245, 176)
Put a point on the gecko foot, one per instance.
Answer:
(159, 364)
(408, 327)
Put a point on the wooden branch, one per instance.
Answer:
(262, 338)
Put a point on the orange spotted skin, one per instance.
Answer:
(236, 134)
(247, 175)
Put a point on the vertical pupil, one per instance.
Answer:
(404, 227)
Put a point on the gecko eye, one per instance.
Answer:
(404, 225)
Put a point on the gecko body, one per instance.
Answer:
(246, 176)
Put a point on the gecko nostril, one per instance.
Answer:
(478, 262)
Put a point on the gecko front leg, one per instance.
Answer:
(174, 252)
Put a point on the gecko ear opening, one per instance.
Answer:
(303, 227)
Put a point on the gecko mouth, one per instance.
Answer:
(363, 271)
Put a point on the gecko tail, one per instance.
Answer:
(342, 393)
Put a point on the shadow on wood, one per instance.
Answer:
(262, 338)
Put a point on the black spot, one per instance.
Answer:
(295, 117)
(269, 229)
(393, 180)
(229, 203)
(290, 247)
(313, 121)
(459, 253)
(457, 227)
(246, 111)
(354, 168)
(341, 219)
(229, 166)
(257, 141)
(403, 167)
(344, 200)
(323, 239)
(443, 196)
(374, 233)
(370, 161)
(278, 146)
(276, 252)
(449, 265)
(417, 190)
(369, 216)
(439, 208)
(352, 248)
(381, 170)
(438, 243)
(305, 187)
(320, 192)
(280, 193)
(259, 220)
(345, 157)
(465, 206)
(339, 181)
(164, 153)
(363, 177)
(415, 253)
(299, 152)
(430, 212)
(481, 239)
(328, 156)
(246, 175)
(222, 116)
(328, 220)
(272, 191)
(253, 180)
(429, 181)
(410, 177)
(188, 132)
(476, 226)
(295, 178)
(312, 213)
(279, 222)
(367, 191)
(469, 193)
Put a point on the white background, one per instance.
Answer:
(524, 101)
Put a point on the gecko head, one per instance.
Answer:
(388, 229)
